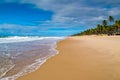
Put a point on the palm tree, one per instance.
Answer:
(117, 25)
(104, 28)
(104, 23)
(99, 28)
(111, 19)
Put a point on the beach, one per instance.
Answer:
(82, 58)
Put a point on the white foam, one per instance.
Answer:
(18, 39)
(38, 62)
(23, 39)
(26, 70)
(7, 71)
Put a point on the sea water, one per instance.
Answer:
(22, 55)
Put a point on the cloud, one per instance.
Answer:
(15, 30)
(114, 12)
(81, 11)
(76, 12)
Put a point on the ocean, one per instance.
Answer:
(22, 55)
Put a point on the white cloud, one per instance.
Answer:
(77, 11)
(99, 18)
(114, 12)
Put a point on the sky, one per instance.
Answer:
(53, 17)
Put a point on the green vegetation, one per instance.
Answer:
(108, 29)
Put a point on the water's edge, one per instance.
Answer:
(33, 67)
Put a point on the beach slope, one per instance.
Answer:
(82, 58)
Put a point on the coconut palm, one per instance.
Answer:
(117, 22)
(99, 28)
(104, 23)
(111, 19)
(117, 25)
(104, 28)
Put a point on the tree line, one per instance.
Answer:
(113, 28)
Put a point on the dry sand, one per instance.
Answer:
(82, 58)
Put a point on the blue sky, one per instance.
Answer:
(53, 17)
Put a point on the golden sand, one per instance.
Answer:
(82, 58)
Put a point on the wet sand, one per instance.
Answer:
(82, 58)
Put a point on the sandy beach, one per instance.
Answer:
(82, 58)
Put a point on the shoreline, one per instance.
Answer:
(34, 66)
(79, 60)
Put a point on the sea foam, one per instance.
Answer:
(44, 42)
